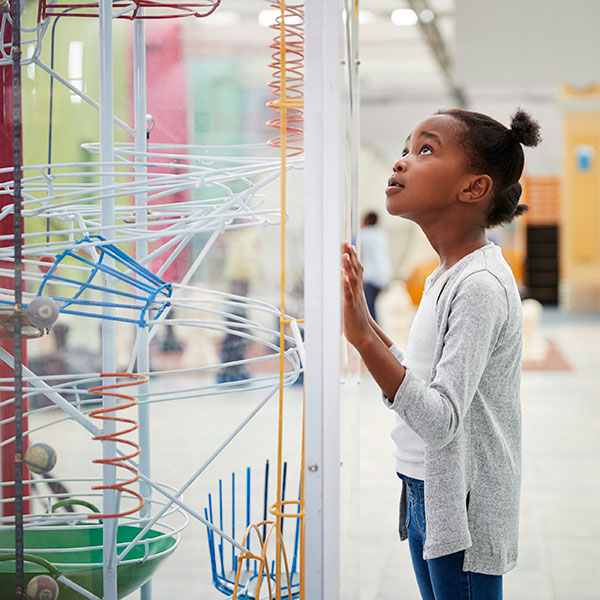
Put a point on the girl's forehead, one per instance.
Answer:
(444, 126)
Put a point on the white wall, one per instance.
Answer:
(386, 122)
(528, 43)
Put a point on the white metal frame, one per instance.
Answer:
(323, 209)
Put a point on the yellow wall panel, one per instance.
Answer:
(580, 199)
(584, 195)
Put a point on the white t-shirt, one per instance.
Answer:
(409, 448)
(375, 255)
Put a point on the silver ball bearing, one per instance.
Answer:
(42, 312)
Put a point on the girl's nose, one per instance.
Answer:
(399, 165)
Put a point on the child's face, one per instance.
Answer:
(430, 172)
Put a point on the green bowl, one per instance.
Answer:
(47, 543)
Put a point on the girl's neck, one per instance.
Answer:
(453, 244)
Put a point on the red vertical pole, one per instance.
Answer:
(7, 453)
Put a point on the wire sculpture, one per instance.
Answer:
(79, 257)
(136, 9)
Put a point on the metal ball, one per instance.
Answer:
(42, 312)
(42, 587)
(40, 458)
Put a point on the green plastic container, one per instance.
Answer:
(38, 543)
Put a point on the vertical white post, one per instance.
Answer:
(350, 588)
(354, 133)
(141, 251)
(322, 201)
(108, 326)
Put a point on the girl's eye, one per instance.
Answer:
(426, 150)
(404, 152)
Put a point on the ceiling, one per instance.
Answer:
(399, 57)
(392, 57)
(510, 44)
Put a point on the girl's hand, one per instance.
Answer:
(354, 308)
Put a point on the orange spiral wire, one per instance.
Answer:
(107, 414)
(293, 62)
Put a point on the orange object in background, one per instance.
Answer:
(516, 262)
(415, 282)
(542, 195)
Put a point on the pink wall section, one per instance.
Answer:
(167, 103)
(166, 81)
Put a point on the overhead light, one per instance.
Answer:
(266, 18)
(75, 69)
(223, 17)
(75, 64)
(427, 15)
(365, 17)
(404, 17)
(269, 17)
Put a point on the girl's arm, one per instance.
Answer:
(380, 333)
(362, 331)
(433, 410)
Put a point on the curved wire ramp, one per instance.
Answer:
(209, 310)
(68, 396)
(221, 192)
(32, 34)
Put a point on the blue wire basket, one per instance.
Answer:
(223, 555)
(138, 295)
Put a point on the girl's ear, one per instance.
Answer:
(477, 188)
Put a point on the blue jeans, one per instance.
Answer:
(442, 578)
(371, 293)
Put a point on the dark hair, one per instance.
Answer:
(371, 218)
(497, 151)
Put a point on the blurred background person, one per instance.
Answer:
(375, 257)
(240, 269)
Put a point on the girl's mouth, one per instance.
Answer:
(393, 186)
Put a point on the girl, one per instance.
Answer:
(455, 392)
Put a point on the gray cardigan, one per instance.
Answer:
(469, 417)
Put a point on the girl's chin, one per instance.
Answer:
(392, 207)
(393, 197)
(395, 210)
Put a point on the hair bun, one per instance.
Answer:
(525, 129)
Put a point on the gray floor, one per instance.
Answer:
(560, 524)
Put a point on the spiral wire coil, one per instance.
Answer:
(289, 58)
(107, 414)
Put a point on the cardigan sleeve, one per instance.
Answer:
(476, 317)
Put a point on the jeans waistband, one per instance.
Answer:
(410, 479)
